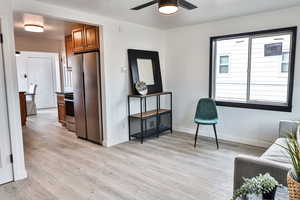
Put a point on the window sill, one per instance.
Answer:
(283, 108)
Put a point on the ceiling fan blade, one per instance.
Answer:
(144, 5)
(187, 5)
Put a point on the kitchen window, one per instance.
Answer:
(261, 69)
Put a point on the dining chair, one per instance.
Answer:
(30, 100)
(206, 114)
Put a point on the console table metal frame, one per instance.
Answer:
(144, 115)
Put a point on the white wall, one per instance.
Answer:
(187, 75)
(115, 51)
(118, 36)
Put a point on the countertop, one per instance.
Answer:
(63, 93)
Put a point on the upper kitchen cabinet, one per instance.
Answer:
(69, 45)
(91, 37)
(85, 38)
(69, 50)
(78, 38)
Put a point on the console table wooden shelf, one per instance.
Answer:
(151, 122)
(150, 113)
(149, 95)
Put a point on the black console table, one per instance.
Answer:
(148, 123)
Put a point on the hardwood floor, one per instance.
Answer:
(62, 167)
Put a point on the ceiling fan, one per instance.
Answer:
(167, 6)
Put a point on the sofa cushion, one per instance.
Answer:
(277, 154)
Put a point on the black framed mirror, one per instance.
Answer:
(144, 66)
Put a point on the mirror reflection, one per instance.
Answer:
(145, 70)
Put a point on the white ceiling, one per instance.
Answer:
(54, 29)
(208, 10)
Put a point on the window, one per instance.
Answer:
(261, 69)
(285, 62)
(224, 64)
(273, 49)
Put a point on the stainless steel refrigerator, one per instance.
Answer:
(87, 96)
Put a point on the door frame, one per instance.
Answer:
(11, 71)
(70, 15)
(12, 96)
(8, 168)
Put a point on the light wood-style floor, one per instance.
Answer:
(62, 167)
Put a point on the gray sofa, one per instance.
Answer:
(274, 161)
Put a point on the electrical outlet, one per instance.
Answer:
(124, 69)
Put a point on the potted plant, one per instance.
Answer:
(293, 178)
(264, 185)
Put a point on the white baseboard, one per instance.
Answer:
(226, 137)
(115, 142)
(20, 175)
(104, 143)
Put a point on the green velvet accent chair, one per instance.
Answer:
(206, 114)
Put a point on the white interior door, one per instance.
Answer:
(40, 72)
(6, 172)
(22, 73)
(39, 68)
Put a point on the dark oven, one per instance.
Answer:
(69, 104)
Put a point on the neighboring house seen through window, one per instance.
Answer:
(224, 64)
(261, 69)
(285, 62)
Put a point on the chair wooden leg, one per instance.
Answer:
(196, 136)
(217, 142)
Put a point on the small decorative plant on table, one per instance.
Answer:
(264, 185)
(293, 178)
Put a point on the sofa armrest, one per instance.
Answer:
(287, 126)
(249, 166)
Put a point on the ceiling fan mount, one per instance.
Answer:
(167, 6)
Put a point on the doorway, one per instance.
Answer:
(40, 69)
(78, 100)
(6, 171)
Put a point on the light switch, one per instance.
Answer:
(124, 69)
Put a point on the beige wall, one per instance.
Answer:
(38, 44)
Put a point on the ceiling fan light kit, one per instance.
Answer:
(34, 28)
(33, 23)
(167, 7)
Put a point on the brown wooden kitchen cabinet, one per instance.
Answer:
(91, 38)
(61, 108)
(85, 38)
(69, 46)
(78, 39)
(69, 50)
